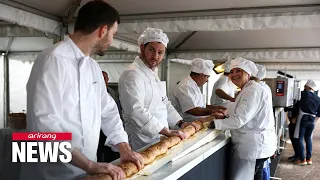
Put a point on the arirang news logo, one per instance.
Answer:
(41, 147)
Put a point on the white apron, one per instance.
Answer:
(241, 169)
(158, 110)
(242, 165)
(297, 128)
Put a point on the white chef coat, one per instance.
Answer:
(66, 93)
(225, 84)
(253, 134)
(145, 106)
(186, 96)
(242, 168)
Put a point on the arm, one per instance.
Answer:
(173, 115)
(318, 115)
(131, 91)
(216, 107)
(111, 124)
(112, 127)
(198, 111)
(223, 95)
(81, 161)
(45, 102)
(186, 96)
(244, 111)
(45, 95)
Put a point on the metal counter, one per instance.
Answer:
(210, 161)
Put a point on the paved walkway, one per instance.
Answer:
(288, 171)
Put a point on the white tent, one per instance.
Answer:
(282, 35)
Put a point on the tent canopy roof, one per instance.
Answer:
(192, 25)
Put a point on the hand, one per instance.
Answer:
(222, 111)
(206, 119)
(134, 157)
(220, 107)
(126, 154)
(218, 115)
(294, 120)
(185, 124)
(167, 132)
(105, 168)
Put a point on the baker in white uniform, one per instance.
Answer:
(188, 98)
(66, 93)
(252, 123)
(147, 112)
(223, 91)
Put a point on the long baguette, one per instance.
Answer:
(150, 154)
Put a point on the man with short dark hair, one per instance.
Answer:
(66, 93)
(188, 99)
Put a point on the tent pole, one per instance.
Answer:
(6, 94)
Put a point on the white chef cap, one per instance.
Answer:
(262, 72)
(310, 83)
(227, 66)
(244, 64)
(153, 35)
(199, 65)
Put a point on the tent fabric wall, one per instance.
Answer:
(1, 92)
(300, 75)
(226, 23)
(28, 19)
(115, 70)
(19, 72)
(309, 55)
(301, 71)
(261, 55)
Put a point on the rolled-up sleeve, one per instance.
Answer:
(132, 94)
(111, 123)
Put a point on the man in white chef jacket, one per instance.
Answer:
(147, 112)
(223, 91)
(66, 93)
(188, 98)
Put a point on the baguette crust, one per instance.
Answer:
(150, 154)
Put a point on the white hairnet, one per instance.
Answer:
(262, 72)
(153, 35)
(310, 83)
(227, 66)
(199, 65)
(244, 64)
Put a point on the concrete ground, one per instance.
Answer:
(286, 170)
